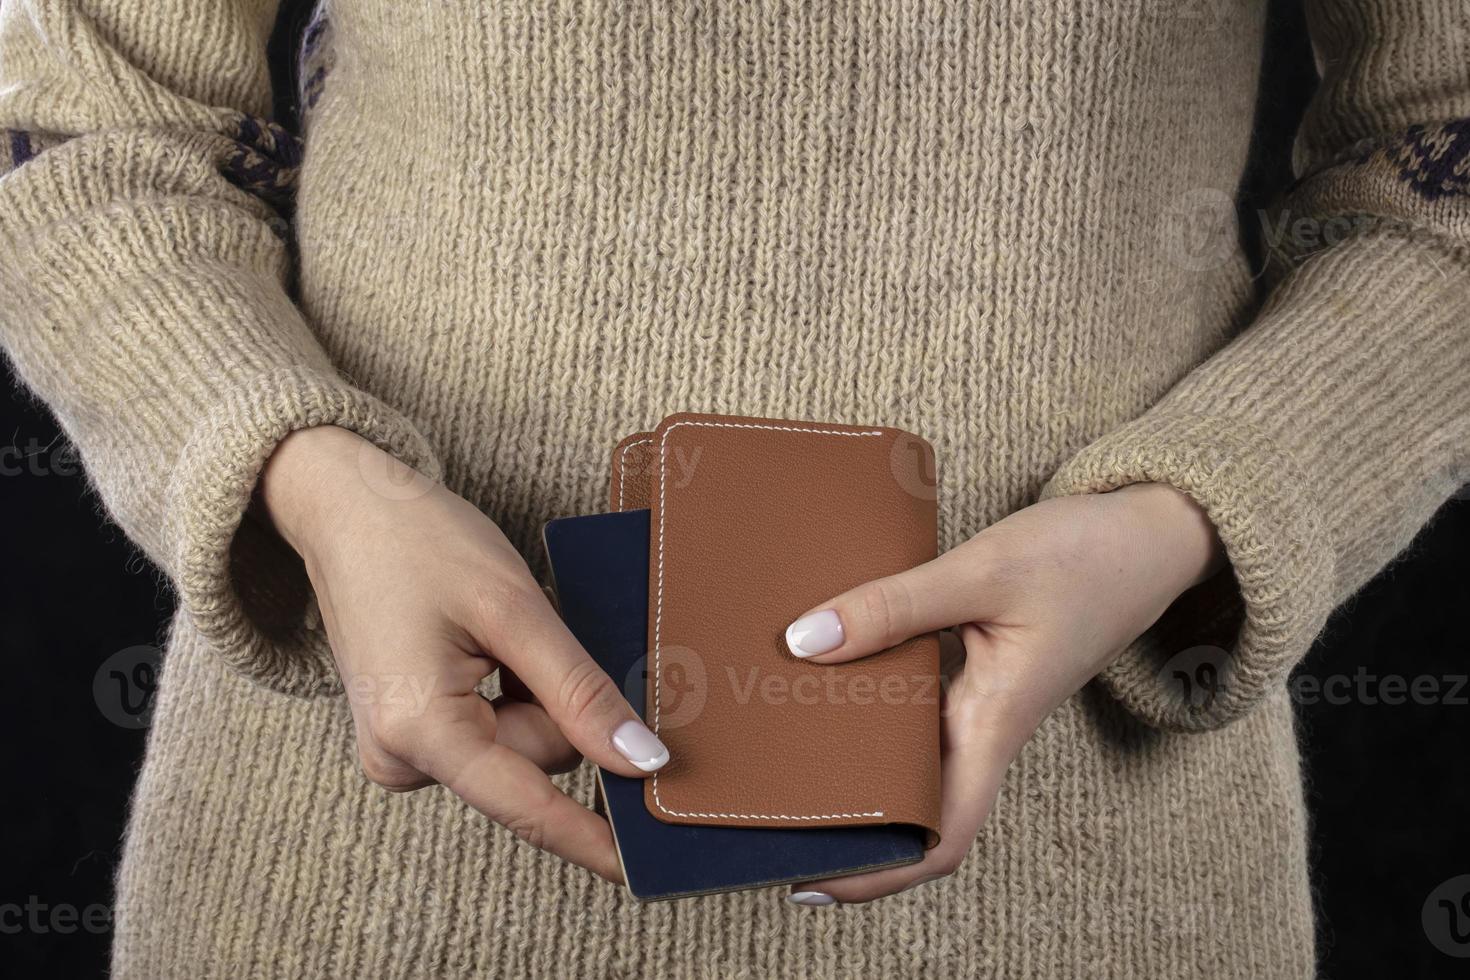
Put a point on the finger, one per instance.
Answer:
(518, 626)
(528, 730)
(458, 748)
(389, 772)
(886, 611)
(973, 767)
(523, 728)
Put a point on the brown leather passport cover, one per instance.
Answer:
(754, 521)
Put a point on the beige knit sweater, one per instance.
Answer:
(523, 230)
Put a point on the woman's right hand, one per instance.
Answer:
(422, 597)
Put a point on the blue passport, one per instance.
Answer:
(600, 567)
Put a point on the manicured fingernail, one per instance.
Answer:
(639, 745)
(811, 898)
(814, 634)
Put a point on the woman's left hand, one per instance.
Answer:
(1043, 601)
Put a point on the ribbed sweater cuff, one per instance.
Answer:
(245, 590)
(1224, 645)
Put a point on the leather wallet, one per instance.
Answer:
(753, 522)
(600, 564)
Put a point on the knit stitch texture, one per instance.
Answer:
(516, 232)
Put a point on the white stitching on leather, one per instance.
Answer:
(658, 615)
(623, 466)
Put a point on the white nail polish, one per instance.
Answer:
(814, 634)
(811, 899)
(639, 746)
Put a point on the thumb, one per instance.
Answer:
(884, 612)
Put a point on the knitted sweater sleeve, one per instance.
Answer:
(144, 274)
(1328, 432)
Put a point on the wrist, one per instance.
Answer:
(303, 480)
(1178, 529)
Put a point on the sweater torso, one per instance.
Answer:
(1006, 227)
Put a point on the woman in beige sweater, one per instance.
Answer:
(523, 230)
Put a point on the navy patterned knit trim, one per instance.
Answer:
(20, 146)
(264, 160)
(314, 60)
(262, 157)
(1434, 160)
(21, 149)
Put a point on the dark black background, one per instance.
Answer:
(1386, 782)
